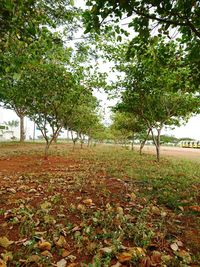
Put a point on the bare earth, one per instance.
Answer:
(179, 152)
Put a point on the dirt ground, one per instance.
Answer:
(95, 207)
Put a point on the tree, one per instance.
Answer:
(24, 20)
(13, 96)
(156, 88)
(126, 125)
(83, 118)
(52, 94)
(173, 19)
(183, 15)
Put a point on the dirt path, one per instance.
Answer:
(184, 153)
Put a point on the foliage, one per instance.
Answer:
(156, 87)
(52, 95)
(125, 126)
(172, 19)
(179, 14)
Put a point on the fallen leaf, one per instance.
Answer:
(155, 258)
(2, 263)
(65, 253)
(44, 245)
(145, 262)
(7, 256)
(72, 258)
(174, 247)
(137, 252)
(179, 243)
(107, 249)
(5, 242)
(61, 263)
(45, 206)
(185, 256)
(124, 256)
(120, 211)
(155, 210)
(133, 196)
(195, 208)
(33, 258)
(88, 201)
(62, 243)
(81, 207)
(46, 253)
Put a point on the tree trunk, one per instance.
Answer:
(73, 140)
(46, 152)
(132, 145)
(34, 131)
(156, 140)
(158, 145)
(144, 141)
(89, 141)
(22, 132)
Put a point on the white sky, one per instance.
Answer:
(191, 129)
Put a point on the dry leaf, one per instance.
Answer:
(145, 262)
(155, 258)
(44, 245)
(33, 258)
(133, 196)
(185, 256)
(155, 210)
(65, 253)
(107, 249)
(62, 243)
(88, 201)
(124, 256)
(61, 263)
(7, 256)
(174, 247)
(2, 263)
(5, 242)
(195, 208)
(137, 252)
(120, 211)
(81, 207)
(46, 253)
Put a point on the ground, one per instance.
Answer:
(99, 206)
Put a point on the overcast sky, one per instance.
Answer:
(191, 129)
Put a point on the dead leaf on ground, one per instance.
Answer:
(174, 247)
(88, 201)
(44, 245)
(61, 263)
(124, 256)
(5, 242)
(2, 263)
(61, 242)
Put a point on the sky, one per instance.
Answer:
(190, 129)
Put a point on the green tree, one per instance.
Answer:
(183, 15)
(52, 94)
(173, 19)
(126, 126)
(156, 88)
(83, 118)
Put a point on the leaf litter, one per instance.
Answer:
(80, 212)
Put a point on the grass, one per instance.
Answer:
(163, 210)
